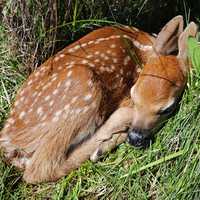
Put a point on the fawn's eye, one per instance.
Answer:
(168, 110)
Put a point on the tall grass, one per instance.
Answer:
(41, 28)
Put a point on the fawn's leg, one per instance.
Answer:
(108, 145)
(104, 138)
(117, 132)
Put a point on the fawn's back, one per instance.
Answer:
(79, 88)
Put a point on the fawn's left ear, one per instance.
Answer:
(190, 31)
(167, 40)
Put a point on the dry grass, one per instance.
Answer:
(40, 28)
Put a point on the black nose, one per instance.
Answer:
(138, 139)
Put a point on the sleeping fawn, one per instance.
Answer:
(81, 102)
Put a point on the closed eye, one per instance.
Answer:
(168, 110)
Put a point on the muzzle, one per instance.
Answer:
(139, 138)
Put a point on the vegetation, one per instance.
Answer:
(169, 169)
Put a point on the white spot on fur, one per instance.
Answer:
(139, 70)
(55, 119)
(70, 66)
(112, 67)
(54, 78)
(69, 73)
(91, 42)
(74, 99)
(16, 103)
(68, 83)
(101, 39)
(112, 46)
(56, 58)
(126, 60)
(47, 98)
(128, 73)
(102, 69)
(58, 113)
(123, 50)
(108, 51)
(72, 63)
(90, 83)
(89, 56)
(34, 94)
(37, 74)
(60, 67)
(30, 110)
(91, 64)
(106, 58)
(70, 50)
(44, 118)
(59, 84)
(51, 103)
(22, 98)
(22, 115)
(84, 45)
(77, 47)
(45, 87)
(84, 62)
(30, 82)
(62, 55)
(97, 53)
(126, 36)
(40, 111)
(108, 70)
(96, 60)
(114, 36)
(115, 60)
(55, 92)
(39, 94)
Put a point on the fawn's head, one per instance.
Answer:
(161, 81)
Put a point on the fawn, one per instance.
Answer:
(81, 102)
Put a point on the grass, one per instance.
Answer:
(169, 169)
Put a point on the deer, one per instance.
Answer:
(92, 96)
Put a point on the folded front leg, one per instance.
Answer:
(108, 145)
(113, 132)
(106, 135)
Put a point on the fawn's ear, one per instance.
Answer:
(167, 40)
(190, 31)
